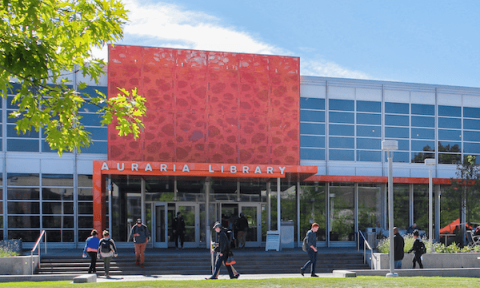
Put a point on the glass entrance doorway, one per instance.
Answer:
(164, 216)
(230, 212)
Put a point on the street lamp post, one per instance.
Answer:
(430, 163)
(390, 146)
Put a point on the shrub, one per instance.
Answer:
(384, 245)
(5, 252)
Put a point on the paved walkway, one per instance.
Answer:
(202, 277)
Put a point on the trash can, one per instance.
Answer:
(287, 234)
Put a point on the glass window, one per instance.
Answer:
(397, 108)
(312, 103)
(419, 157)
(22, 145)
(312, 154)
(85, 222)
(369, 131)
(23, 208)
(369, 106)
(100, 133)
(373, 156)
(341, 155)
(401, 157)
(423, 109)
(400, 204)
(341, 130)
(98, 147)
(23, 179)
(57, 180)
(84, 180)
(57, 222)
(369, 143)
(395, 132)
(313, 129)
(312, 141)
(24, 222)
(449, 134)
(375, 119)
(342, 207)
(444, 158)
(421, 121)
(449, 111)
(342, 105)
(471, 112)
(25, 235)
(419, 133)
(447, 146)
(471, 147)
(471, 136)
(90, 119)
(471, 124)
(312, 207)
(369, 210)
(341, 117)
(341, 142)
(420, 202)
(421, 145)
(396, 120)
(308, 116)
(85, 208)
(11, 132)
(57, 207)
(23, 193)
(85, 194)
(454, 123)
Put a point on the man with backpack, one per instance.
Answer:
(179, 230)
(418, 248)
(223, 250)
(311, 247)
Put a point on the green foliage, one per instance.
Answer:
(5, 252)
(40, 42)
(384, 245)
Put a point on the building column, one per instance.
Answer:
(437, 212)
(98, 191)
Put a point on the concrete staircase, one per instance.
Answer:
(197, 262)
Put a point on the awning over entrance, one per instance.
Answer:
(144, 168)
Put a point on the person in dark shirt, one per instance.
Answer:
(179, 230)
(398, 248)
(417, 249)
(224, 249)
(311, 250)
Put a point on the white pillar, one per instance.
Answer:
(278, 206)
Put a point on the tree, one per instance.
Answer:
(42, 41)
(464, 194)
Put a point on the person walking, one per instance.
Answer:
(179, 230)
(418, 249)
(223, 248)
(107, 250)
(91, 247)
(140, 235)
(398, 248)
(311, 250)
(242, 227)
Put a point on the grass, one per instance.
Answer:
(287, 282)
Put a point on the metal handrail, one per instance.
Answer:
(35, 247)
(365, 246)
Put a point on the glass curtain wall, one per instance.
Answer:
(288, 204)
(421, 208)
(312, 209)
(401, 204)
(342, 212)
(369, 205)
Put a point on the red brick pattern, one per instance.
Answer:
(209, 107)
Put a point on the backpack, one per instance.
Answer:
(105, 247)
(305, 244)
(423, 249)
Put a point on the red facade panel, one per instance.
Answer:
(209, 107)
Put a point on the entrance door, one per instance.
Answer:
(161, 226)
(253, 213)
(191, 216)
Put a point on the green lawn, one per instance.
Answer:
(291, 282)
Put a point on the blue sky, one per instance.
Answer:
(434, 42)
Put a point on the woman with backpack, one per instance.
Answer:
(107, 249)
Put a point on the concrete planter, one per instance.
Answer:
(18, 265)
(430, 260)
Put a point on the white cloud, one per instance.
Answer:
(329, 69)
(159, 24)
